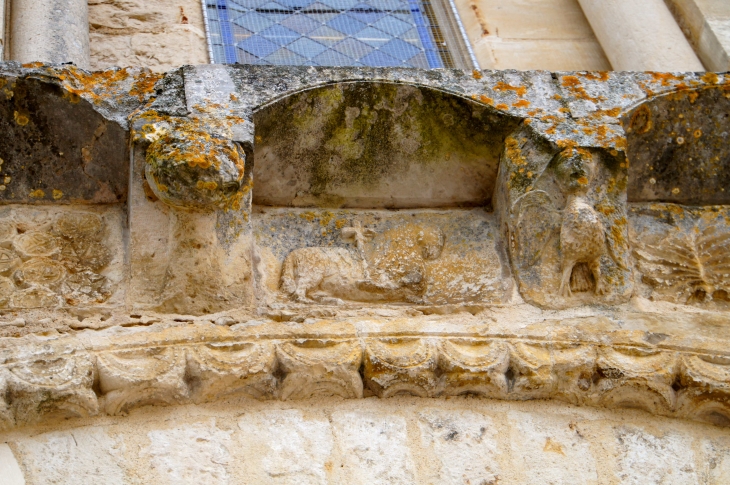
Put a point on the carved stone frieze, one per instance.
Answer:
(288, 233)
(181, 365)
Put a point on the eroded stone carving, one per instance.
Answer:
(396, 273)
(188, 168)
(61, 260)
(567, 225)
(683, 253)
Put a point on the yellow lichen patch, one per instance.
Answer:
(476, 74)
(514, 152)
(37, 194)
(340, 223)
(596, 75)
(710, 78)
(502, 86)
(206, 185)
(665, 78)
(21, 117)
(144, 84)
(57, 194)
(94, 86)
(574, 85)
(31, 65)
(325, 218)
(309, 216)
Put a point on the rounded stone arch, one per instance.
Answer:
(57, 147)
(369, 144)
(677, 147)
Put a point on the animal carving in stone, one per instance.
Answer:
(579, 226)
(331, 275)
(582, 235)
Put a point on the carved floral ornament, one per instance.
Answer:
(363, 232)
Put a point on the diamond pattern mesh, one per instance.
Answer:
(375, 33)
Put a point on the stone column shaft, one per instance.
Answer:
(54, 31)
(640, 35)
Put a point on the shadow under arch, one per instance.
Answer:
(371, 144)
(678, 147)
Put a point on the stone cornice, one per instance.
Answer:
(113, 371)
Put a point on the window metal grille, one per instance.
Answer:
(375, 33)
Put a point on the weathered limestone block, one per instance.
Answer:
(51, 386)
(221, 369)
(66, 133)
(405, 366)
(474, 367)
(636, 377)
(319, 368)
(50, 257)
(153, 375)
(682, 253)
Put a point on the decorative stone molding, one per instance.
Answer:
(292, 233)
(203, 362)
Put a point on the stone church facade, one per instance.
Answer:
(511, 272)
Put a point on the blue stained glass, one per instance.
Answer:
(393, 26)
(307, 47)
(366, 13)
(295, 4)
(280, 35)
(340, 4)
(253, 22)
(400, 50)
(285, 57)
(258, 46)
(380, 59)
(300, 23)
(323, 32)
(373, 37)
(353, 48)
(325, 35)
(333, 58)
(346, 24)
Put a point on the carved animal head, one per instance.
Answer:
(431, 240)
(574, 169)
(193, 170)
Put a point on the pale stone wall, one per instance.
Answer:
(402, 440)
(707, 25)
(531, 34)
(159, 35)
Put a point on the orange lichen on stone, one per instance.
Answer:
(476, 74)
(95, 86)
(206, 185)
(31, 65)
(21, 118)
(665, 78)
(502, 106)
(502, 86)
(514, 152)
(574, 85)
(144, 83)
(522, 103)
(596, 75)
(486, 100)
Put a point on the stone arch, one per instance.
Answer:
(377, 144)
(677, 147)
